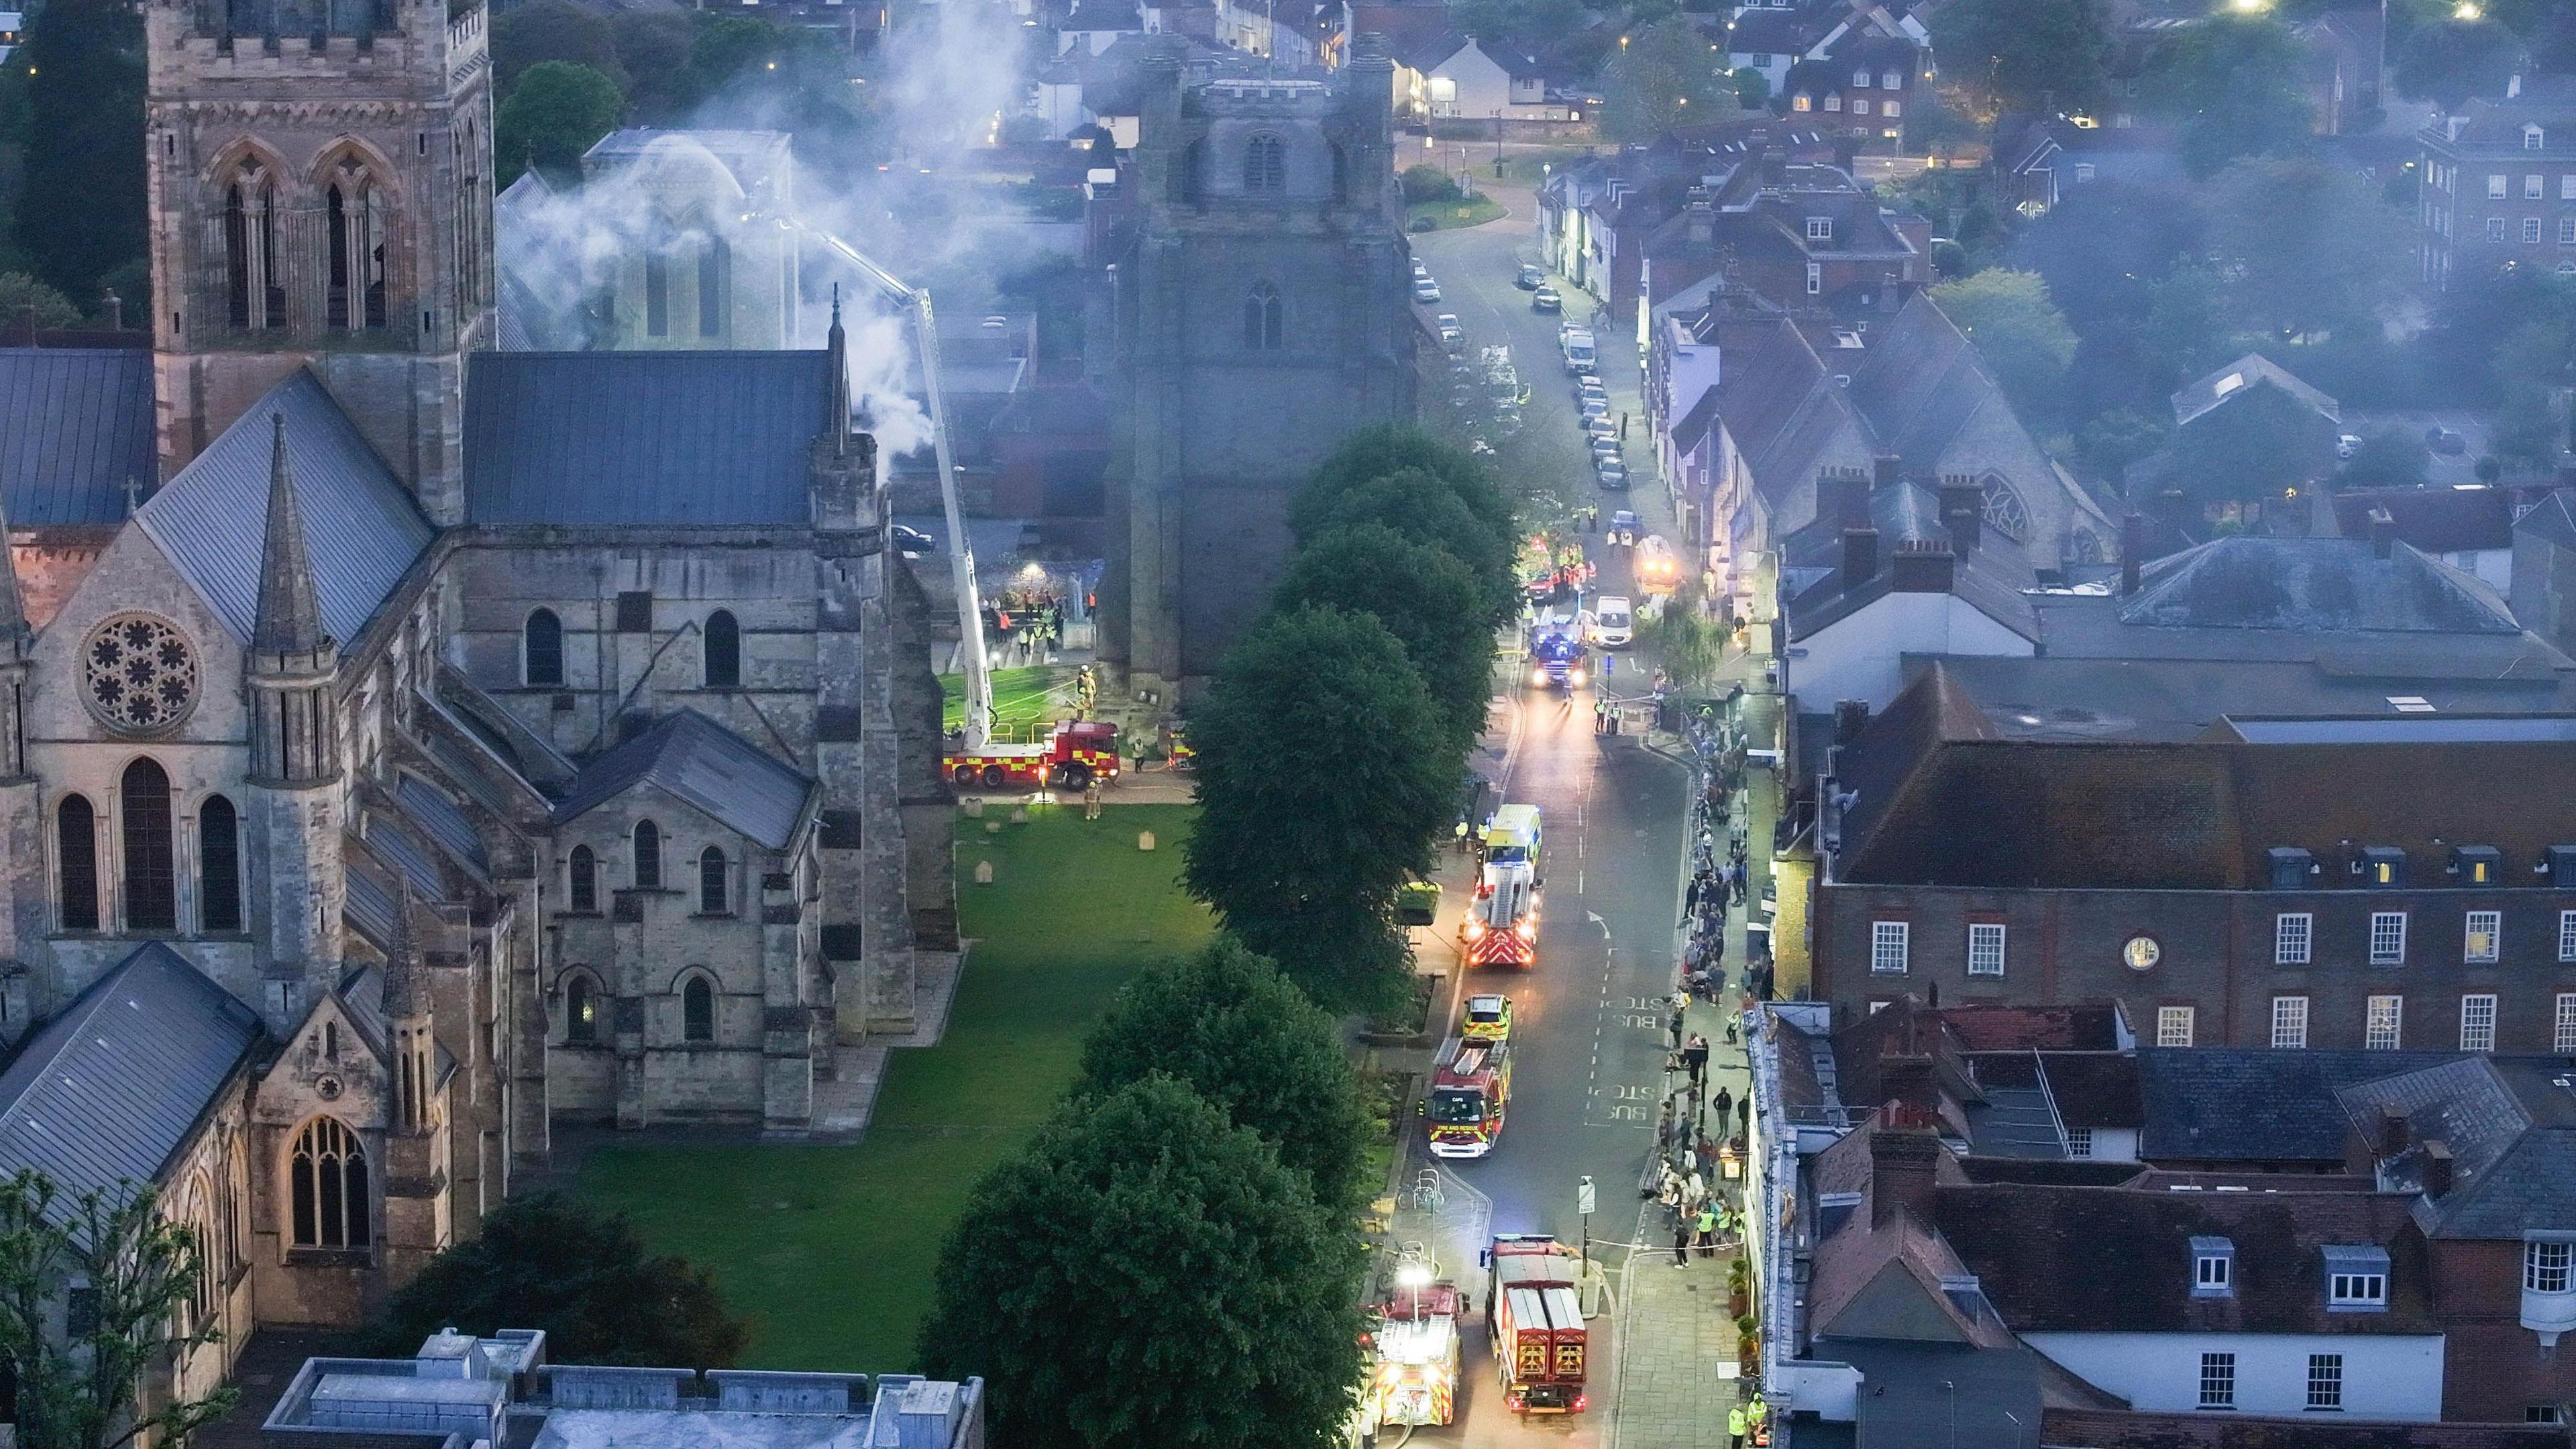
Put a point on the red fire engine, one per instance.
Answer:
(1535, 1323)
(1073, 754)
(1469, 1090)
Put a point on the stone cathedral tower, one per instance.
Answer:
(1262, 309)
(321, 196)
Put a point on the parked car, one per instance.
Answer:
(1600, 426)
(912, 542)
(1545, 299)
(1613, 474)
(2446, 441)
(1605, 450)
(1530, 278)
(1425, 289)
(1451, 334)
(1592, 407)
(2347, 445)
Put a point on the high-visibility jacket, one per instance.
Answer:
(1735, 1421)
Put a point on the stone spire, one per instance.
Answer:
(407, 1019)
(290, 607)
(405, 993)
(836, 351)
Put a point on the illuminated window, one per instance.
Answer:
(1799, 102)
(2480, 942)
(581, 1011)
(2174, 1025)
(1891, 110)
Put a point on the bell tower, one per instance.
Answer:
(320, 181)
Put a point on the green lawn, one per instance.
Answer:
(831, 1249)
(1450, 215)
(1035, 695)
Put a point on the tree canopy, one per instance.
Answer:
(1424, 596)
(1299, 860)
(1228, 1025)
(581, 1273)
(543, 30)
(2450, 60)
(80, 200)
(2018, 330)
(2389, 458)
(2045, 56)
(1372, 453)
(2231, 82)
(556, 112)
(2259, 443)
(1147, 1271)
(1425, 508)
(1661, 76)
(2305, 246)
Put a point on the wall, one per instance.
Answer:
(2384, 1376)
(2496, 1369)
(1858, 656)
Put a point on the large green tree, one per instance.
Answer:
(2448, 61)
(558, 110)
(1375, 451)
(1233, 1029)
(2018, 331)
(543, 30)
(1147, 1272)
(2025, 55)
(2306, 246)
(1324, 771)
(1424, 596)
(2258, 444)
(1427, 508)
(1660, 76)
(581, 1273)
(2103, 247)
(2389, 458)
(80, 199)
(2231, 82)
(95, 1290)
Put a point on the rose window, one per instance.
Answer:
(138, 673)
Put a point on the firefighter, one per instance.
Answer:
(1091, 798)
(1735, 1427)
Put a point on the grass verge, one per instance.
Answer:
(1450, 215)
(831, 1249)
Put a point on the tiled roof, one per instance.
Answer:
(2250, 581)
(443, 820)
(361, 528)
(2231, 1104)
(608, 438)
(75, 428)
(2552, 518)
(712, 768)
(2435, 520)
(111, 1087)
(2511, 1131)
(2202, 394)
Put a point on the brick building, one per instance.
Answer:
(2498, 184)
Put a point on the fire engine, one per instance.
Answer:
(1535, 1323)
(1416, 1378)
(1074, 753)
(1501, 924)
(1469, 1090)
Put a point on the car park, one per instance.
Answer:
(2446, 441)
(1545, 299)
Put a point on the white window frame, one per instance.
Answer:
(1891, 109)
(1815, 279)
(2531, 231)
(2548, 1265)
(1888, 81)
(1860, 80)
(2294, 935)
(2534, 187)
(2217, 1381)
(2495, 186)
(2325, 1383)
(2473, 924)
(2495, 228)
(1834, 101)
(1820, 228)
(2567, 186)
(2567, 935)
(1986, 948)
(2563, 1028)
(2289, 1023)
(2388, 938)
(2213, 1275)
(2358, 1288)
(2383, 1023)
(2174, 1025)
(2567, 231)
(2478, 1021)
(1890, 947)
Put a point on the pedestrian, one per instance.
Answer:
(1690, 897)
(1694, 1190)
(1735, 1427)
(1744, 1105)
(1708, 1217)
(1091, 798)
(1725, 1104)
(1695, 1057)
(1681, 1242)
(1675, 1023)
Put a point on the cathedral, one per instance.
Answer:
(407, 745)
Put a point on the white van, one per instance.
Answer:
(1579, 356)
(1613, 622)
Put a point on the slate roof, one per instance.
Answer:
(1939, 800)
(732, 780)
(1994, 576)
(2253, 581)
(2073, 698)
(2496, 125)
(443, 820)
(112, 1086)
(2436, 520)
(2232, 1104)
(362, 530)
(602, 439)
(1771, 32)
(75, 426)
(2206, 393)
(2114, 1260)
(2511, 1131)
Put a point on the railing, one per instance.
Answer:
(2039, 1069)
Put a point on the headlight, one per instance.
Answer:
(1577, 678)
(1475, 929)
(1529, 930)
(1538, 676)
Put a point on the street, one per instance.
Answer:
(1589, 1035)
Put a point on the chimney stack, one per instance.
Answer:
(2394, 1129)
(1851, 716)
(1922, 566)
(2133, 542)
(1860, 556)
(2383, 533)
(115, 307)
(1901, 1168)
(1775, 168)
(1884, 471)
(1963, 512)
(2437, 1167)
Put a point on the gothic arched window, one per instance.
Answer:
(2088, 547)
(723, 651)
(328, 1187)
(542, 656)
(1265, 166)
(76, 849)
(254, 280)
(585, 880)
(2003, 510)
(648, 856)
(1262, 318)
(199, 1218)
(715, 264)
(151, 871)
(713, 882)
(581, 1011)
(355, 212)
(219, 896)
(698, 1010)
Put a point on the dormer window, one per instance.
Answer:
(2383, 865)
(2477, 865)
(2213, 1268)
(2290, 867)
(1820, 228)
(2531, 138)
(2356, 1278)
(2562, 866)
(1860, 80)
